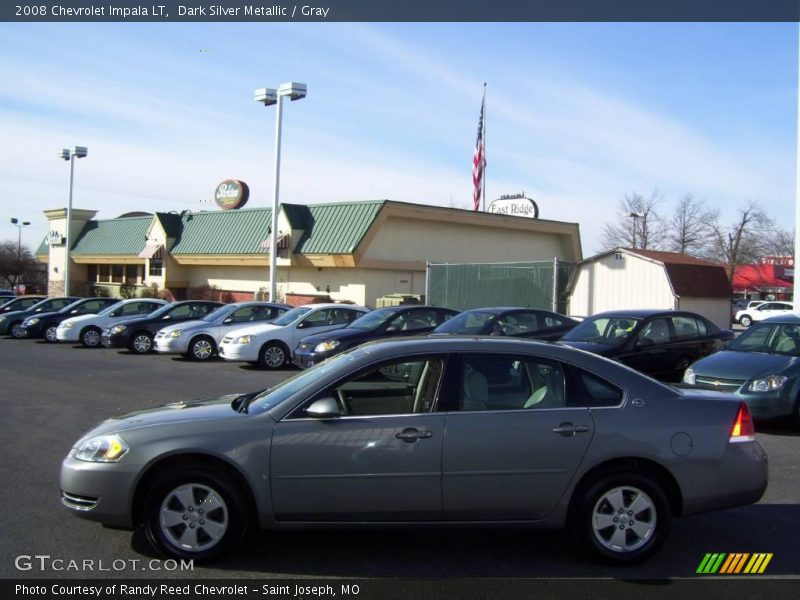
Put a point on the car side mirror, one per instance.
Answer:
(166, 318)
(323, 408)
(303, 325)
(228, 321)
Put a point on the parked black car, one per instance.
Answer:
(20, 303)
(44, 325)
(10, 322)
(659, 343)
(381, 323)
(517, 322)
(137, 334)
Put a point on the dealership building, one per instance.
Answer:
(348, 251)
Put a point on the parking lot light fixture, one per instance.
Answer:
(19, 225)
(268, 97)
(70, 155)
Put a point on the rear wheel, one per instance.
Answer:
(745, 321)
(194, 513)
(273, 355)
(623, 517)
(141, 343)
(202, 348)
(50, 333)
(90, 337)
(15, 329)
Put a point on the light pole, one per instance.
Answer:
(70, 155)
(634, 216)
(19, 225)
(268, 97)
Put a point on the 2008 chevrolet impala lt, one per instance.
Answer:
(432, 431)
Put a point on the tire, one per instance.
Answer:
(273, 355)
(141, 342)
(50, 334)
(745, 321)
(202, 348)
(623, 517)
(15, 330)
(196, 513)
(90, 337)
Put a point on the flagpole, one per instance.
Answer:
(795, 292)
(483, 166)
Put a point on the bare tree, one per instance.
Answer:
(639, 224)
(13, 265)
(690, 230)
(781, 243)
(745, 241)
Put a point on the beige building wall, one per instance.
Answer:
(611, 284)
(716, 310)
(57, 222)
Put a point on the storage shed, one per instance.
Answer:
(626, 278)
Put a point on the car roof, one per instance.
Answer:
(790, 319)
(641, 313)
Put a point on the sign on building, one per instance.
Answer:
(515, 205)
(231, 194)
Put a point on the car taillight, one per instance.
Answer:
(742, 429)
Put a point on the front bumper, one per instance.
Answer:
(100, 492)
(170, 345)
(308, 358)
(238, 352)
(67, 335)
(770, 405)
(116, 340)
(31, 331)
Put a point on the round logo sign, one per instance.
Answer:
(516, 206)
(231, 194)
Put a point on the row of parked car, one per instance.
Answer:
(667, 345)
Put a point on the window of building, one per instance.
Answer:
(132, 274)
(156, 267)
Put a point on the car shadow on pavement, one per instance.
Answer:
(478, 553)
(780, 428)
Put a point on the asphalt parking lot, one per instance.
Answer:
(51, 394)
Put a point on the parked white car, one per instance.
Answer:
(748, 316)
(87, 329)
(269, 345)
(199, 339)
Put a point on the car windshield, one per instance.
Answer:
(162, 310)
(290, 317)
(75, 304)
(219, 314)
(610, 331)
(471, 322)
(286, 388)
(769, 338)
(374, 320)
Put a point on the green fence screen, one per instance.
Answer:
(529, 284)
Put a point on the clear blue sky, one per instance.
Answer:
(577, 114)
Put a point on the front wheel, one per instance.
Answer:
(202, 348)
(90, 337)
(194, 513)
(16, 330)
(141, 343)
(622, 517)
(50, 334)
(745, 321)
(273, 355)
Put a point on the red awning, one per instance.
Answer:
(758, 277)
(284, 241)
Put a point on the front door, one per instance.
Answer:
(379, 460)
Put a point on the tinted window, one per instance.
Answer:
(598, 392)
(506, 382)
(182, 311)
(602, 330)
(471, 322)
(516, 324)
(771, 338)
(423, 318)
(655, 332)
(246, 314)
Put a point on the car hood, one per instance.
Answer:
(80, 318)
(168, 414)
(348, 333)
(188, 325)
(601, 349)
(44, 315)
(742, 365)
(18, 313)
(254, 329)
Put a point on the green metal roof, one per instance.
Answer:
(43, 248)
(224, 232)
(337, 228)
(113, 236)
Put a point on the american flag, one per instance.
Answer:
(478, 160)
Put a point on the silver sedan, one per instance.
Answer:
(432, 431)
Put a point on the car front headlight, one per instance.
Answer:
(68, 325)
(101, 448)
(2, 319)
(689, 376)
(176, 333)
(33, 321)
(767, 384)
(245, 339)
(326, 346)
(118, 329)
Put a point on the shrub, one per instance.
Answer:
(127, 291)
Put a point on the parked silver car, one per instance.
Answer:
(537, 435)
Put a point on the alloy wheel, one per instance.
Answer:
(624, 518)
(193, 517)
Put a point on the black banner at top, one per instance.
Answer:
(399, 10)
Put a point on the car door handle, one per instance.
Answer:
(411, 434)
(568, 429)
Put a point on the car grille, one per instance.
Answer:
(716, 383)
(76, 502)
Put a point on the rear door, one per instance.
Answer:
(513, 439)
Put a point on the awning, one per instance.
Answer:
(152, 250)
(284, 242)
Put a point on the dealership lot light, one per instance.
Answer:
(70, 155)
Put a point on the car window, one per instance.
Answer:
(506, 382)
(182, 311)
(610, 331)
(325, 317)
(597, 392)
(422, 318)
(516, 324)
(58, 304)
(94, 305)
(655, 332)
(755, 339)
(397, 387)
(786, 340)
(687, 327)
(468, 323)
